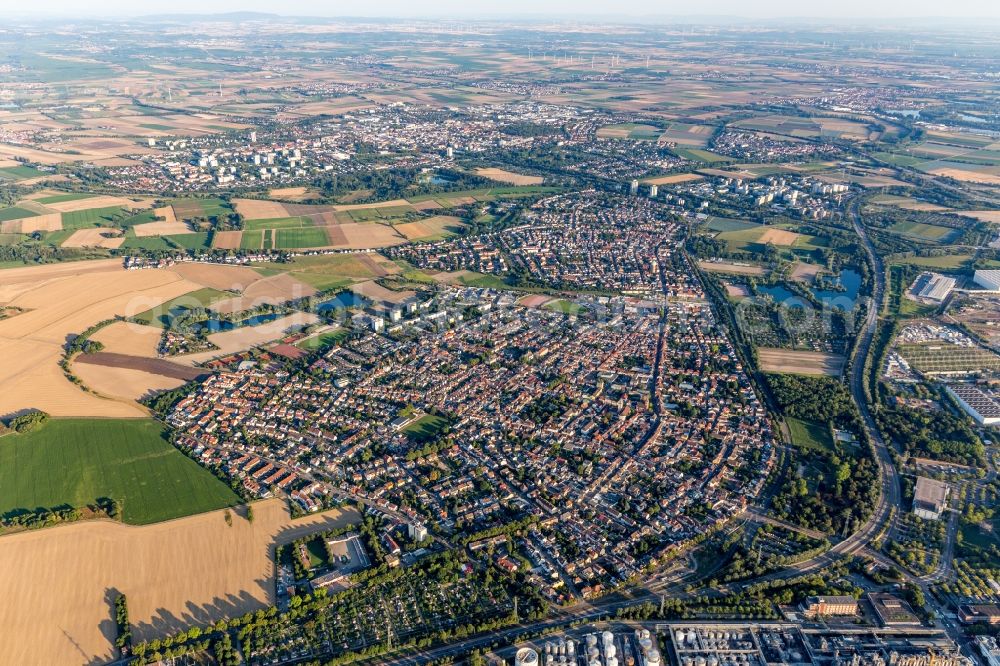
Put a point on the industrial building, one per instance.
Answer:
(978, 404)
(989, 279)
(744, 644)
(829, 606)
(990, 649)
(979, 613)
(932, 286)
(930, 498)
(892, 611)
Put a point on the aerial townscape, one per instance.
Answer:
(527, 341)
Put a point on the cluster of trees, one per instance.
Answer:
(394, 183)
(933, 434)
(28, 421)
(124, 638)
(19, 519)
(832, 489)
(818, 399)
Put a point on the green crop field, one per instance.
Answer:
(94, 217)
(20, 172)
(810, 436)
(726, 224)
(277, 223)
(323, 339)
(192, 241)
(250, 240)
(76, 461)
(304, 237)
(15, 213)
(426, 428)
(944, 261)
(923, 231)
(696, 155)
(60, 198)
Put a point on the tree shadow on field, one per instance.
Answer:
(166, 623)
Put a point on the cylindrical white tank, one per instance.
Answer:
(591, 640)
(571, 647)
(526, 657)
(611, 661)
(610, 651)
(653, 657)
(608, 637)
(645, 644)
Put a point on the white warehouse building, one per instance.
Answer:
(987, 279)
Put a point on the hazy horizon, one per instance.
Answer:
(546, 9)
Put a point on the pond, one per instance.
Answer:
(844, 299)
(345, 299)
(216, 325)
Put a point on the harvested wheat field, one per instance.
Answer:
(90, 203)
(673, 179)
(779, 237)
(804, 272)
(227, 240)
(981, 215)
(737, 291)
(161, 229)
(366, 236)
(968, 176)
(241, 339)
(27, 225)
(800, 362)
(273, 290)
(61, 301)
(217, 276)
(123, 383)
(256, 209)
(502, 176)
(60, 583)
(95, 237)
(431, 228)
(124, 337)
(289, 193)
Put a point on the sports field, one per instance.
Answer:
(76, 461)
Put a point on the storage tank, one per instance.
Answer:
(608, 637)
(653, 657)
(645, 644)
(610, 651)
(591, 640)
(526, 657)
(570, 647)
(611, 661)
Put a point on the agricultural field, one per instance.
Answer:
(60, 583)
(509, 177)
(305, 237)
(635, 131)
(928, 232)
(62, 300)
(933, 359)
(810, 436)
(92, 217)
(76, 461)
(800, 362)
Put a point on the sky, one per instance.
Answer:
(534, 8)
